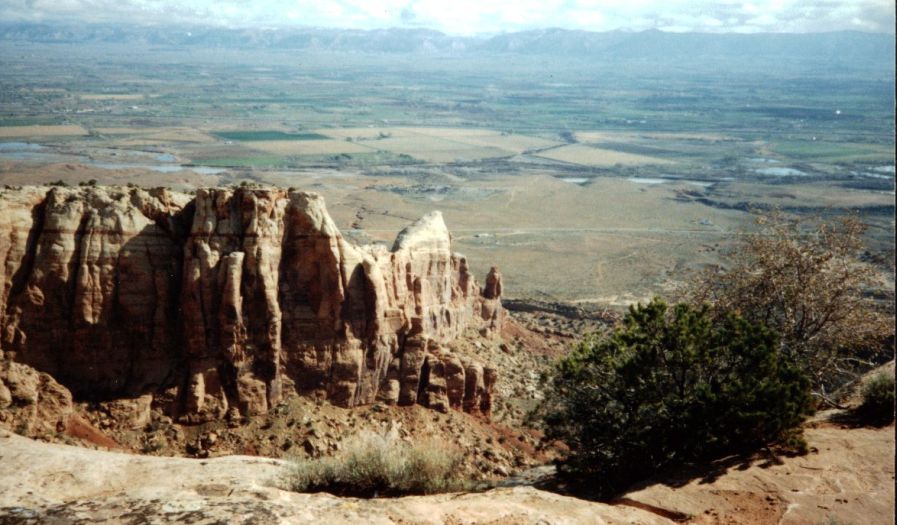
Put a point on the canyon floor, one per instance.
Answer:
(848, 477)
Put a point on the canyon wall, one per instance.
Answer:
(226, 301)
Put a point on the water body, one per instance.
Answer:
(166, 168)
(763, 160)
(27, 151)
(646, 180)
(780, 172)
(19, 146)
(874, 174)
(656, 180)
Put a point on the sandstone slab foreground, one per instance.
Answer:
(41, 482)
(848, 478)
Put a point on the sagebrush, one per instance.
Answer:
(877, 405)
(381, 464)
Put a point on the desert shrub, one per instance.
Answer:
(804, 279)
(669, 386)
(877, 406)
(372, 464)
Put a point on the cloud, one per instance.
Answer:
(478, 16)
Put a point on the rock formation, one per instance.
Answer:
(230, 299)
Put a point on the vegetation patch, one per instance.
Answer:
(263, 161)
(805, 279)
(308, 147)
(589, 156)
(877, 407)
(62, 130)
(251, 136)
(671, 386)
(820, 151)
(380, 464)
(111, 96)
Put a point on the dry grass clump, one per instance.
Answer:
(380, 464)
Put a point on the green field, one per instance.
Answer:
(824, 151)
(251, 136)
(629, 171)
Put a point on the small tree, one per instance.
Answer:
(804, 280)
(667, 387)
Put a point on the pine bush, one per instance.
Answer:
(671, 386)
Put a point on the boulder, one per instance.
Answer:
(130, 413)
(35, 404)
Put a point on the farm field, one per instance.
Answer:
(631, 183)
(110, 96)
(441, 144)
(251, 136)
(307, 147)
(62, 130)
(592, 156)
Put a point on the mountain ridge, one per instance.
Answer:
(649, 44)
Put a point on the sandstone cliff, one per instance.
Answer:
(228, 300)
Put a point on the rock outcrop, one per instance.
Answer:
(233, 298)
(32, 403)
(851, 476)
(51, 483)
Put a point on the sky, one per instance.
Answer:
(468, 17)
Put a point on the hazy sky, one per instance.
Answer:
(479, 16)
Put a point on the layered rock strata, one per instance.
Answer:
(234, 298)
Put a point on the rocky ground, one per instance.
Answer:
(847, 478)
(123, 469)
(240, 321)
(302, 427)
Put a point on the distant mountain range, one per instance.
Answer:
(842, 46)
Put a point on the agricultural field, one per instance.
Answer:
(110, 96)
(253, 136)
(585, 155)
(633, 173)
(440, 145)
(833, 152)
(61, 130)
(307, 147)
